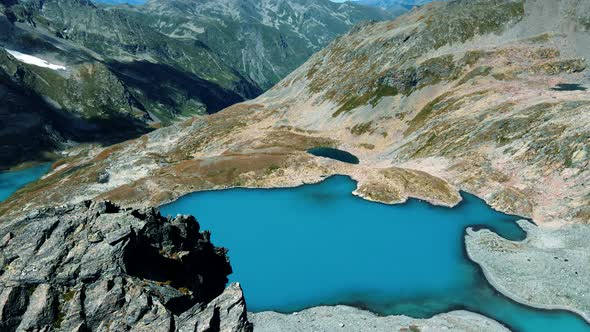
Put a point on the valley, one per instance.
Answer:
(466, 116)
(108, 87)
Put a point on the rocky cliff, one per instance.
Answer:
(97, 267)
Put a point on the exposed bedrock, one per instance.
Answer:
(97, 267)
(549, 269)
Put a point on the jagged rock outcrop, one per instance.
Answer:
(96, 267)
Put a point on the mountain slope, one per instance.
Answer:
(263, 39)
(149, 66)
(44, 110)
(486, 96)
(452, 96)
(132, 50)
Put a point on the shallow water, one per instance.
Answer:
(318, 244)
(335, 154)
(11, 181)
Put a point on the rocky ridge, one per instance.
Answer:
(97, 267)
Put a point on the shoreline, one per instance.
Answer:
(318, 179)
(26, 165)
(493, 281)
(348, 318)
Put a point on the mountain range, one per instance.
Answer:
(466, 91)
(488, 97)
(128, 69)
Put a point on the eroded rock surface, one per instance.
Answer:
(97, 267)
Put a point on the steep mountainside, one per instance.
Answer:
(113, 78)
(43, 110)
(121, 71)
(167, 75)
(263, 39)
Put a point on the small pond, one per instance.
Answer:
(569, 87)
(335, 154)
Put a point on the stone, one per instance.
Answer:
(96, 266)
(5, 239)
(103, 177)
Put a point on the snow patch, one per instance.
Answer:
(32, 60)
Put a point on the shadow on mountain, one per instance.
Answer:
(31, 128)
(34, 42)
(172, 87)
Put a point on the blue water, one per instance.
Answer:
(335, 154)
(119, 2)
(11, 181)
(318, 244)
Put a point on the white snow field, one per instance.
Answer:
(32, 60)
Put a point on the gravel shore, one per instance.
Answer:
(349, 319)
(548, 270)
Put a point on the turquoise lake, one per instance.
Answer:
(11, 181)
(318, 244)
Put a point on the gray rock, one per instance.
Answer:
(97, 267)
(348, 319)
(103, 177)
(227, 311)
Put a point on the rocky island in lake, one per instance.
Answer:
(386, 165)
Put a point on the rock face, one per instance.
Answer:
(97, 267)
